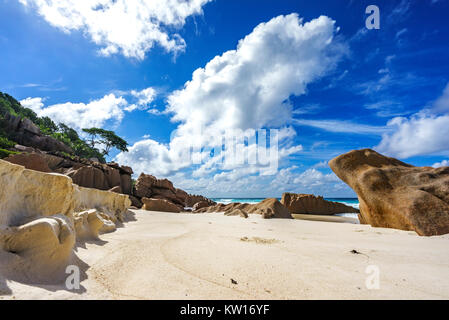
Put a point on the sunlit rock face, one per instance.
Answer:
(394, 194)
(41, 218)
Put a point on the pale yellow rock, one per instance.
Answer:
(26, 194)
(114, 205)
(41, 215)
(90, 224)
(42, 248)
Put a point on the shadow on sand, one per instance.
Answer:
(11, 262)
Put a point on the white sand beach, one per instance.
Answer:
(210, 256)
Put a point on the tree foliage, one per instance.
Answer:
(107, 139)
(99, 137)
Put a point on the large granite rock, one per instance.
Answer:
(26, 133)
(200, 205)
(191, 200)
(89, 177)
(83, 172)
(394, 194)
(136, 202)
(159, 205)
(311, 204)
(268, 208)
(32, 161)
(148, 186)
(146, 183)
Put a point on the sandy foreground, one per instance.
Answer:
(210, 256)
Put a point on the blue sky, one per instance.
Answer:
(329, 85)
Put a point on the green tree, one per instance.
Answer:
(107, 139)
(65, 134)
(46, 125)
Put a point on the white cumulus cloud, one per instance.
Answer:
(423, 133)
(81, 115)
(248, 87)
(96, 113)
(120, 26)
(242, 90)
(444, 163)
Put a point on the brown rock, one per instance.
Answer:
(146, 181)
(136, 202)
(127, 170)
(269, 208)
(200, 205)
(167, 194)
(143, 186)
(394, 194)
(116, 189)
(32, 161)
(21, 148)
(54, 162)
(28, 134)
(310, 204)
(164, 184)
(113, 164)
(148, 186)
(159, 205)
(192, 199)
(111, 176)
(29, 126)
(237, 212)
(126, 183)
(182, 195)
(89, 177)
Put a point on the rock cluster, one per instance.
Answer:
(159, 205)
(394, 194)
(84, 172)
(110, 176)
(26, 133)
(268, 208)
(311, 204)
(149, 187)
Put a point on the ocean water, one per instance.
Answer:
(352, 202)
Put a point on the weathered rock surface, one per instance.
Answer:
(32, 161)
(90, 224)
(268, 208)
(135, 202)
(39, 250)
(311, 204)
(192, 199)
(116, 189)
(83, 172)
(40, 214)
(237, 212)
(200, 205)
(159, 205)
(394, 194)
(26, 133)
(148, 186)
(146, 183)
